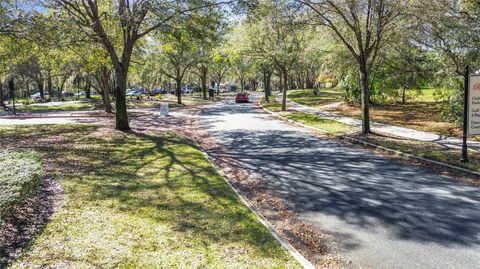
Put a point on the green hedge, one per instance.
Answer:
(20, 175)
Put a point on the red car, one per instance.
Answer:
(241, 97)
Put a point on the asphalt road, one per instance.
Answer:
(381, 213)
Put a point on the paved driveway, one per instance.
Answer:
(383, 214)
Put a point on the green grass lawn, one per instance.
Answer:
(65, 107)
(272, 105)
(421, 113)
(427, 95)
(132, 102)
(427, 150)
(330, 126)
(307, 97)
(140, 201)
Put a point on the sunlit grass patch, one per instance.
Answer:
(63, 107)
(323, 97)
(20, 175)
(141, 201)
(273, 105)
(330, 126)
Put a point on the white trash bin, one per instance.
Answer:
(164, 109)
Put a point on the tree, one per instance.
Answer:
(177, 55)
(184, 45)
(10, 16)
(221, 63)
(103, 21)
(241, 64)
(363, 27)
(276, 34)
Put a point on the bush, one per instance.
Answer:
(450, 98)
(20, 175)
(351, 85)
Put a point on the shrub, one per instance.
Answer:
(450, 98)
(20, 175)
(351, 85)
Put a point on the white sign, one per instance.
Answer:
(164, 109)
(474, 105)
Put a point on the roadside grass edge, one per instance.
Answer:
(406, 156)
(295, 253)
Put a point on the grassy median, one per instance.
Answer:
(140, 201)
(428, 150)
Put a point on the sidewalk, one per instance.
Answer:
(386, 129)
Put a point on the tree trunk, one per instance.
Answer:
(27, 87)
(269, 83)
(87, 88)
(49, 85)
(203, 78)
(106, 95)
(220, 78)
(40, 88)
(403, 95)
(365, 97)
(121, 116)
(280, 81)
(106, 101)
(265, 85)
(2, 104)
(178, 91)
(62, 84)
(308, 81)
(285, 89)
(103, 80)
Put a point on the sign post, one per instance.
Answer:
(466, 100)
(471, 110)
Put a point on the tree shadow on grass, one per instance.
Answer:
(162, 178)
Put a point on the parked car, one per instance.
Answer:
(68, 94)
(37, 96)
(82, 93)
(242, 97)
(134, 93)
(173, 91)
(158, 91)
(187, 90)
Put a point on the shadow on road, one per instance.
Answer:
(362, 189)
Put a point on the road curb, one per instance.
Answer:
(401, 154)
(297, 255)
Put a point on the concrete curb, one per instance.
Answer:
(386, 133)
(297, 255)
(404, 155)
